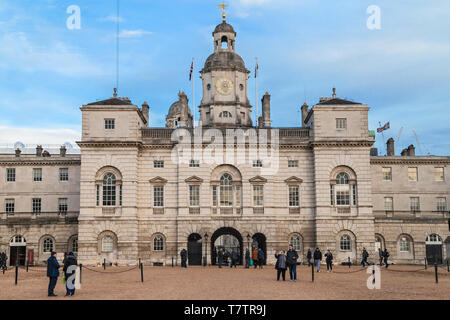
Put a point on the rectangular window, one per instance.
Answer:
(194, 195)
(342, 195)
(10, 174)
(354, 194)
(293, 164)
(194, 164)
(387, 174)
(388, 204)
(294, 196)
(62, 204)
(415, 205)
(9, 205)
(36, 204)
(258, 196)
(158, 164)
(110, 124)
(158, 196)
(120, 195)
(98, 195)
(257, 164)
(214, 196)
(441, 204)
(63, 174)
(412, 174)
(341, 123)
(37, 174)
(438, 174)
(332, 194)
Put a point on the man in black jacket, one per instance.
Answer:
(183, 256)
(234, 258)
(52, 273)
(308, 257)
(317, 258)
(70, 260)
(329, 261)
(365, 256)
(291, 261)
(220, 257)
(247, 258)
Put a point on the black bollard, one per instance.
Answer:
(312, 272)
(448, 268)
(140, 264)
(349, 263)
(373, 274)
(172, 262)
(425, 263)
(436, 272)
(27, 266)
(142, 273)
(81, 268)
(17, 273)
(104, 264)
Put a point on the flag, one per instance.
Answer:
(192, 70)
(256, 69)
(385, 127)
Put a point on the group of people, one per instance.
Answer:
(53, 272)
(3, 261)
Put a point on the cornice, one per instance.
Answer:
(354, 143)
(39, 162)
(409, 160)
(108, 144)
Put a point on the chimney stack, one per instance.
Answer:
(39, 151)
(146, 111)
(62, 151)
(266, 122)
(404, 152)
(18, 152)
(390, 147)
(304, 113)
(411, 151)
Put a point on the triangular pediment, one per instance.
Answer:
(293, 180)
(158, 180)
(258, 179)
(194, 179)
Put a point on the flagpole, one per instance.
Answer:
(193, 92)
(382, 134)
(256, 93)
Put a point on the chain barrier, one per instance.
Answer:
(110, 272)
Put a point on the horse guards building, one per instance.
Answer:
(139, 192)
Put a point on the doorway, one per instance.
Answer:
(228, 239)
(194, 249)
(433, 249)
(259, 241)
(17, 251)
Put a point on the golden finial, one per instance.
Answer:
(223, 6)
(115, 93)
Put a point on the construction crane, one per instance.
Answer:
(399, 134)
(418, 143)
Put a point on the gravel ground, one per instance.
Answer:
(211, 283)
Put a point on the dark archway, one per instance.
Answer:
(195, 249)
(259, 241)
(226, 231)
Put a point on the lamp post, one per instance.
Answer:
(206, 248)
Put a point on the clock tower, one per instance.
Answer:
(225, 83)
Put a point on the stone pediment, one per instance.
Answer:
(194, 179)
(158, 180)
(257, 179)
(293, 180)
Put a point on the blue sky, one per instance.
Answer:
(304, 48)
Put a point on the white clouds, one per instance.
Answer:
(133, 33)
(112, 18)
(9, 135)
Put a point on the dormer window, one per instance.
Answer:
(110, 124)
(341, 123)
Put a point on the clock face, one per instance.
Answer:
(224, 86)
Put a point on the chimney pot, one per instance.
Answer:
(39, 151)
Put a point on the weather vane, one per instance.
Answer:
(223, 6)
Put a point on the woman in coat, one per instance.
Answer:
(69, 260)
(281, 265)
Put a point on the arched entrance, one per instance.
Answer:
(433, 248)
(447, 248)
(194, 249)
(229, 239)
(259, 241)
(17, 250)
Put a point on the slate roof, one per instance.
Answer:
(111, 102)
(337, 101)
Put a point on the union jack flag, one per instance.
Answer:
(192, 70)
(385, 127)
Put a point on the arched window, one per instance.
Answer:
(75, 244)
(158, 243)
(107, 244)
(224, 42)
(404, 244)
(433, 239)
(345, 243)
(343, 190)
(378, 243)
(47, 245)
(296, 242)
(18, 240)
(226, 190)
(225, 114)
(109, 189)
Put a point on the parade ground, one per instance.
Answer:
(211, 283)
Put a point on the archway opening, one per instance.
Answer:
(228, 239)
(433, 249)
(195, 249)
(17, 251)
(259, 242)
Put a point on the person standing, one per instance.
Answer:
(380, 253)
(365, 256)
(329, 260)
(70, 260)
(291, 260)
(281, 265)
(317, 258)
(255, 257)
(309, 256)
(247, 258)
(260, 258)
(183, 255)
(3, 261)
(52, 273)
(385, 257)
(220, 258)
(234, 258)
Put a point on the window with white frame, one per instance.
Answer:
(158, 164)
(194, 195)
(345, 243)
(387, 173)
(441, 204)
(47, 245)
(110, 124)
(158, 243)
(292, 163)
(257, 164)
(294, 196)
(296, 242)
(75, 244)
(214, 196)
(36, 205)
(226, 190)
(194, 163)
(9, 205)
(109, 189)
(388, 204)
(415, 204)
(438, 174)
(37, 174)
(62, 205)
(107, 244)
(404, 244)
(158, 196)
(412, 174)
(342, 189)
(63, 174)
(10, 174)
(258, 195)
(341, 123)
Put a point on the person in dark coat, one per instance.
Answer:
(220, 257)
(234, 258)
(317, 258)
(247, 258)
(385, 257)
(255, 257)
(365, 256)
(260, 258)
(281, 265)
(329, 261)
(308, 257)
(380, 254)
(291, 261)
(70, 260)
(3, 259)
(183, 256)
(52, 273)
